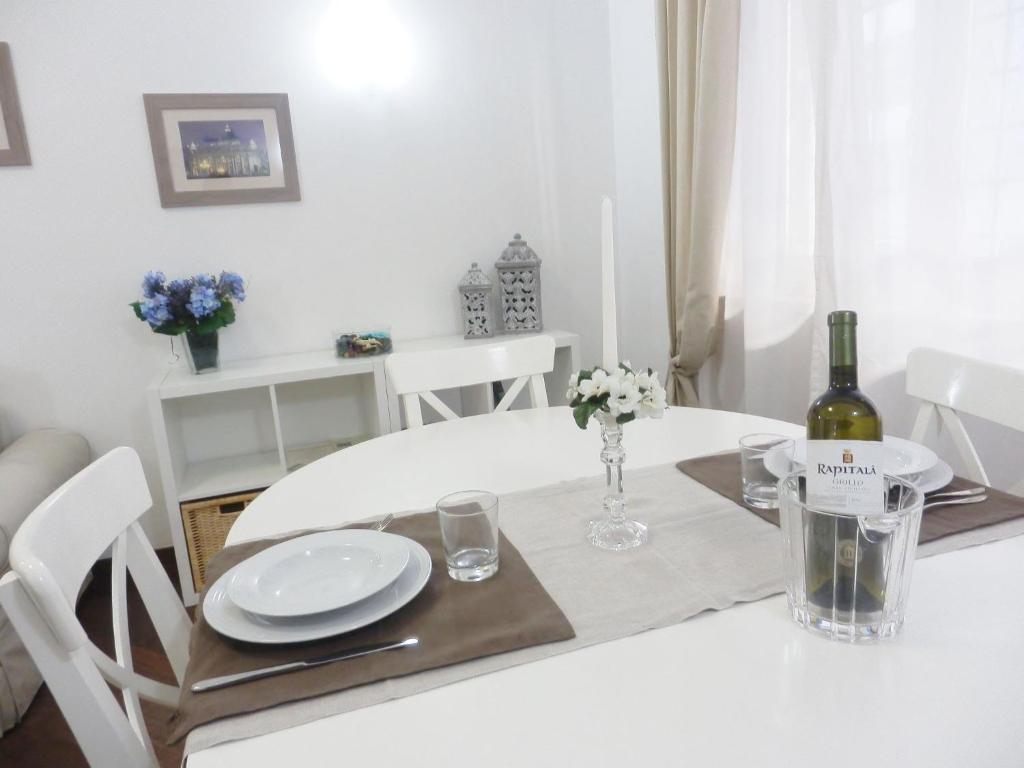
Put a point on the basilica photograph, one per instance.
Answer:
(224, 150)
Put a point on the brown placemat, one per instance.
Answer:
(454, 621)
(721, 473)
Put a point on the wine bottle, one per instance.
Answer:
(845, 475)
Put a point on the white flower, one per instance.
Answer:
(623, 393)
(643, 380)
(653, 402)
(573, 390)
(595, 386)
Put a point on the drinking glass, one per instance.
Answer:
(848, 576)
(469, 532)
(759, 483)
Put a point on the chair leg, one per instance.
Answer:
(510, 395)
(413, 413)
(921, 423)
(975, 471)
(99, 725)
(538, 391)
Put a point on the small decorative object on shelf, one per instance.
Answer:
(477, 303)
(194, 307)
(362, 343)
(615, 398)
(519, 283)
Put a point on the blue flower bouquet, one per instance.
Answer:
(196, 307)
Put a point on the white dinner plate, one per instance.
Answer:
(902, 457)
(228, 619)
(320, 572)
(938, 476)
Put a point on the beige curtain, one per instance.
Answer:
(699, 42)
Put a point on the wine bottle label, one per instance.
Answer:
(846, 476)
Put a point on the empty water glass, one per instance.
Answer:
(759, 454)
(469, 532)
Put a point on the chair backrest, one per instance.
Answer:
(949, 385)
(415, 375)
(51, 554)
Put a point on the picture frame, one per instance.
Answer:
(13, 144)
(222, 148)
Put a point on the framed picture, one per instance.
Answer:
(13, 147)
(216, 149)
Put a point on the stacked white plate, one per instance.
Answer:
(903, 458)
(317, 586)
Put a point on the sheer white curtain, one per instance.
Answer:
(880, 168)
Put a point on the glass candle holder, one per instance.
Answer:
(615, 531)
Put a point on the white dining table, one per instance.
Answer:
(740, 687)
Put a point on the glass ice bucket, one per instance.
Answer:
(848, 576)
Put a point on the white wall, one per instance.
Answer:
(504, 125)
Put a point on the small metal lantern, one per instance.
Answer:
(477, 304)
(519, 284)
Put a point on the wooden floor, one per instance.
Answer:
(42, 739)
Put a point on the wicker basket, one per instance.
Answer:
(207, 523)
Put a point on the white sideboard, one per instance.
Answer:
(240, 427)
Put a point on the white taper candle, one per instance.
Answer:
(609, 337)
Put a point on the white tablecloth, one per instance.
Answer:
(743, 686)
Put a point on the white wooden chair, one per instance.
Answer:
(52, 553)
(949, 385)
(415, 375)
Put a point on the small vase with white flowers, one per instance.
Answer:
(615, 398)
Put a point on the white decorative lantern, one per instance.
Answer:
(519, 284)
(477, 304)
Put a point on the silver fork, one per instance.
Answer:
(947, 502)
(978, 490)
(384, 522)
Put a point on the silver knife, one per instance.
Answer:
(213, 683)
(976, 491)
(947, 502)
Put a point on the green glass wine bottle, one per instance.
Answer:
(845, 475)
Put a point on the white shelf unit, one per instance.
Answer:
(230, 430)
(233, 429)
